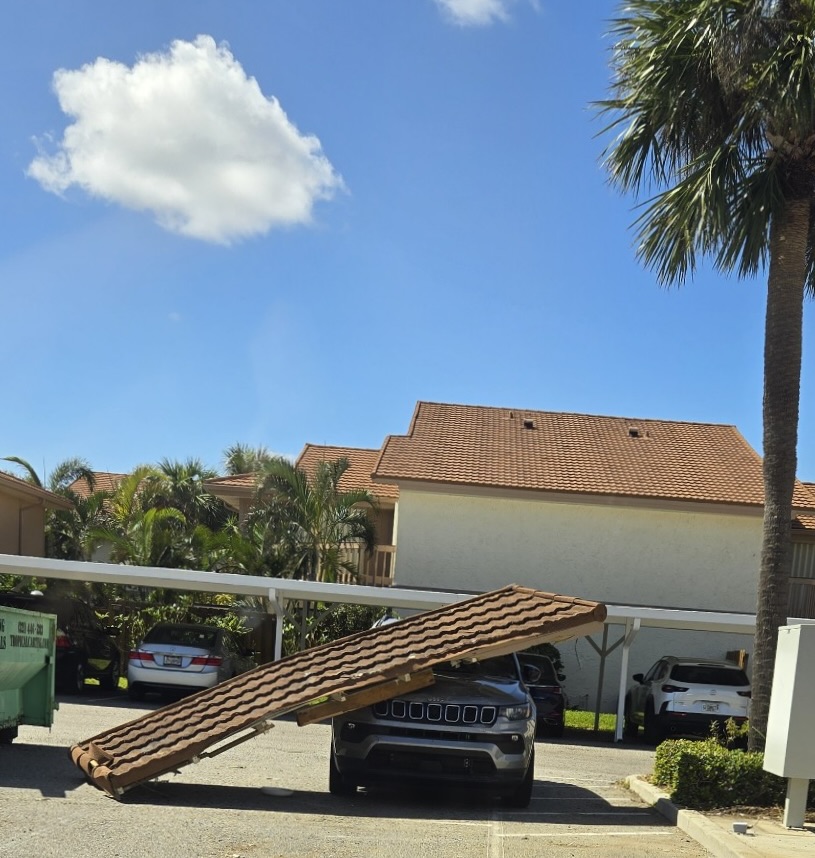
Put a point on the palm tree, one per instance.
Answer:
(318, 519)
(244, 459)
(181, 485)
(714, 102)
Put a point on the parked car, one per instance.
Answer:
(185, 657)
(685, 695)
(85, 648)
(547, 692)
(474, 726)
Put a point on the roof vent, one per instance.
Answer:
(529, 424)
(633, 432)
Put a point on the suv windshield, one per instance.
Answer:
(501, 667)
(702, 674)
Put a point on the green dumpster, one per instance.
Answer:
(27, 641)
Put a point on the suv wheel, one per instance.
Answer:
(630, 727)
(522, 794)
(653, 731)
(110, 682)
(337, 784)
(76, 684)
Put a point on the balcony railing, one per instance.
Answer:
(374, 570)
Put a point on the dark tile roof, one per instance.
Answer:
(505, 448)
(370, 663)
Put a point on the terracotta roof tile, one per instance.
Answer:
(361, 462)
(498, 622)
(576, 453)
(103, 482)
(236, 481)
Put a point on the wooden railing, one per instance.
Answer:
(374, 570)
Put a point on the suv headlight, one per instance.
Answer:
(516, 713)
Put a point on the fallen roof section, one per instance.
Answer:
(318, 683)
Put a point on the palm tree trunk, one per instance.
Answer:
(782, 381)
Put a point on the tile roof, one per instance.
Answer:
(235, 481)
(104, 481)
(352, 672)
(583, 454)
(361, 463)
(9, 484)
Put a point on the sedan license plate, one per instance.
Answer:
(172, 661)
(710, 707)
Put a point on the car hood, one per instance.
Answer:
(472, 690)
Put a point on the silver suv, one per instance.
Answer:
(474, 726)
(685, 695)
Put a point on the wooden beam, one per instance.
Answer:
(365, 697)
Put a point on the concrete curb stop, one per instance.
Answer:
(696, 825)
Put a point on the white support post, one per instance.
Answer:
(278, 626)
(631, 629)
(795, 804)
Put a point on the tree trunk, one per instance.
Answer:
(782, 379)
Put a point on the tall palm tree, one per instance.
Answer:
(318, 518)
(714, 103)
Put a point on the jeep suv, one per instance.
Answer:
(474, 726)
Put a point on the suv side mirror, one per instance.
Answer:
(531, 673)
(561, 677)
(637, 677)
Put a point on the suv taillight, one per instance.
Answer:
(62, 640)
(671, 689)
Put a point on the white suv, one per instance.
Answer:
(685, 695)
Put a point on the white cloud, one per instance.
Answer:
(186, 135)
(476, 13)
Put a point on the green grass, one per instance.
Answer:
(578, 723)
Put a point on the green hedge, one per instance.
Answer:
(703, 775)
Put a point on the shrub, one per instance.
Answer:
(704, 774)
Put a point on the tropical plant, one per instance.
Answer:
(316, 518)
(244, 459)
(714, 103)
(181, 485)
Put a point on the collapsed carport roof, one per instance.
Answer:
(321, 682)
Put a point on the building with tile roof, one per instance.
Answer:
(626, 511)
(23, 508)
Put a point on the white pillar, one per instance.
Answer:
(631, 629)
(795, 804)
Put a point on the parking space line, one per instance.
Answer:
(495, 836)
(564, 834)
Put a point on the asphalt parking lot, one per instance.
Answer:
(269, 797)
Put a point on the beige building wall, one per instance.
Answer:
(22, 527)
(677, 558)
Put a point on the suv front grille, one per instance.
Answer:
(436, 713)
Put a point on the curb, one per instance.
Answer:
(694, 824)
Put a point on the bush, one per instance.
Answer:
(705, 774)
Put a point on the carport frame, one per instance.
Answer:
(279, 591)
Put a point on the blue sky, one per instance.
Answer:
(286, 222)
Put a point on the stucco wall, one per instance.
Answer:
(22, 527)
(622, 555)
